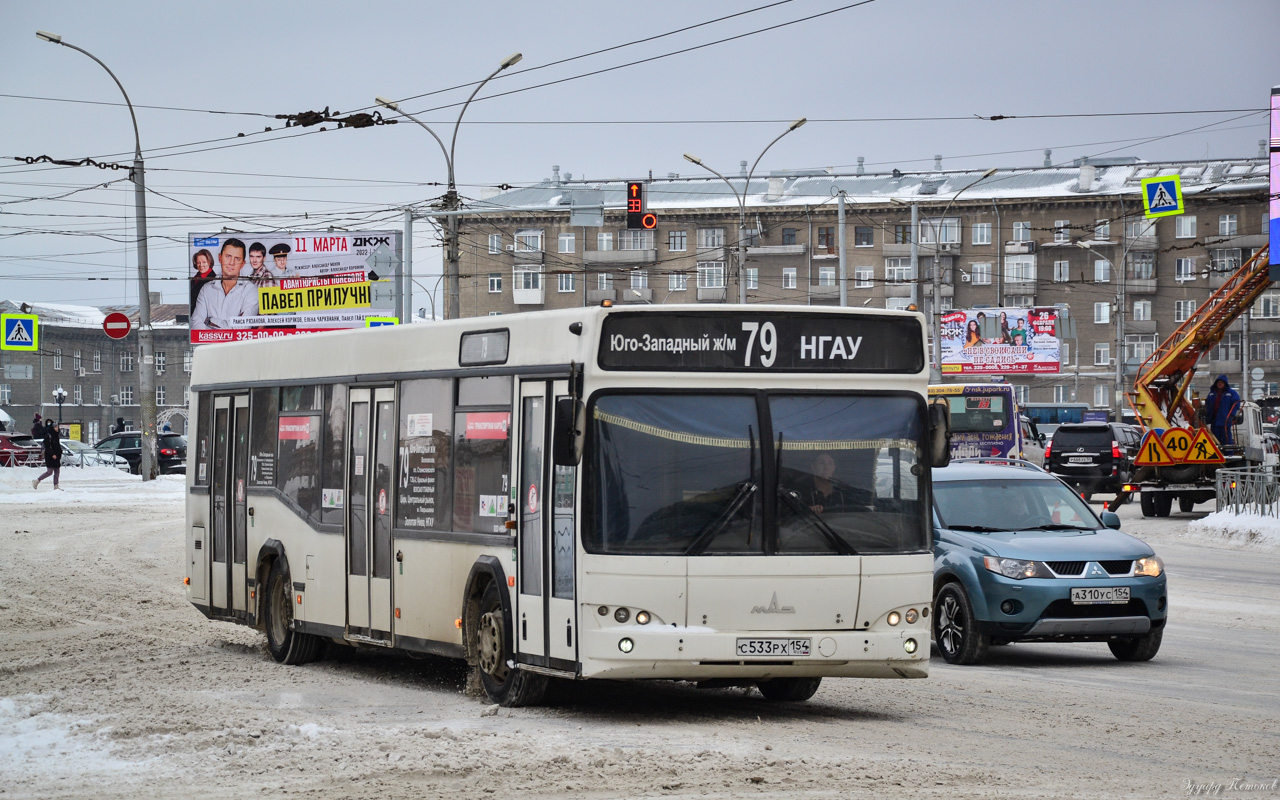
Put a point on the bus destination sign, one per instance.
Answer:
(761, 342)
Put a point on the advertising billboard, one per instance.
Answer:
(1274, 238)
(256, 285)
(1000, 341)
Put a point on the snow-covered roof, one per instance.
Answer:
(814, 187)
(163, 315)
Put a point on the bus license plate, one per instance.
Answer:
(1080, 460)
(1100, 595)
(774, 647)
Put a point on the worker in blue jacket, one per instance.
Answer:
(1220, 409)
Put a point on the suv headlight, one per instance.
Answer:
(1150, 567)
(1016, 568)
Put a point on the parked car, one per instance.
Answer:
(1018, 556)
(1033, 441)
(79, 454)
(20, 450)
(1093, 456)
(171, 449)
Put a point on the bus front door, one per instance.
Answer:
(546, 618)
(370, 468)
(230, 473)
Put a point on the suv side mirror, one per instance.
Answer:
(1110, 519)
(939, 434)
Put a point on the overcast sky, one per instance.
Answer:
(722, 102)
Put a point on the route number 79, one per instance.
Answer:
(768, 342)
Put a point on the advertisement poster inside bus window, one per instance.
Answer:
(1000, 341)
(255, 285)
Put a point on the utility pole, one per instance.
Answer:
(844, 284)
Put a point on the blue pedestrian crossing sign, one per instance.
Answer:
(20, 332)
(380, 322)
(1162, 196)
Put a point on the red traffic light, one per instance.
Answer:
(649, 221)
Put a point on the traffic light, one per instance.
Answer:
(637, 217)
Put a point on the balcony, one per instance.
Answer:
(711, 253)
(528, 297)
(777, 250)
(1019, 248)
(633, 295)
(1139, 325)
(822, 292)
(715, 295)
(1140, 286)
(897, 290)
(892, 249)
(620, 256)
(1019, 287)
(1147, 242)
(528, 256)
(598, 296)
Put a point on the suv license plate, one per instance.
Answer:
(1100, 595)
(1080, 460)
(776, 647)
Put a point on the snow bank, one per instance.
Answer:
(89, 486)
(1247, 530)
(34, 741)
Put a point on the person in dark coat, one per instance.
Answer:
(1220, 409)
(119, 426)
(37, 428)
(52, 455)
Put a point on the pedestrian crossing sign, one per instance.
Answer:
(1162, 196)
(20, 332)
(380, 322)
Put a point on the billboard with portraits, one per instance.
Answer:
(256, 285)
(1000, 341)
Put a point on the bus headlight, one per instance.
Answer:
(626, 645)
(642, 618)
(1149, 567)
(894, 618)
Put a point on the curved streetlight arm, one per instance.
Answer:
(698, 161)
(137, 140)
(453, 143)
(747, 186)
(385, 103)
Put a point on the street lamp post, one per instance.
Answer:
(742, 204)
(60, 395)
(452, 307)
(146, 377)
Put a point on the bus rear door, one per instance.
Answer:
(370, 473)
(230, 474)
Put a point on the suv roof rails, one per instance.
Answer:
(1008, 462)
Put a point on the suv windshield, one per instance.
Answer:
(1011, 505)
(693, 475)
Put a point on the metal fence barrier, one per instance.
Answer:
(1249, 490)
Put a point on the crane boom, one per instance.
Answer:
(1160, 397)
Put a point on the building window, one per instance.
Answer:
(529, 240)
(126, 395)
(826, 276)
(1061, 393)
(1184, 227)
(897, 303)
(711, 274)
(1140, 227)
(1020, 300)
(528, 276)
(565, 282)
(161, 360)
(1061, 271)
(981, 273)
(982, 233)
(495, 243)
(1264, 347)
(97, 361)
(1062, 231)
(864, 236)
(6, 392)
(710, 237)
(1227, 350)
(97, 395)
(604, 241)
(862, 277)
(1102, 354)
(826, 240)
(1184, 269)
(902, 233)
(566, 243)
(1139, 346)
(948, 230)
(676, 240)
(1022, 231)
(604, 281)
(1142, 310)
(1183, 309)
(751, 237)
(753, 278)
(57, 358)
(1267, 306)
(635, 240)
(639, 279)
(1065, 353)
(1102, 313)
(1102, 229)
(160, 395)
(126, 361)
(1101, 271)
(897, 271)
(1102, 395)
(76, 362)
(1020, 269)
(186, 361)
(1142, 266)
(1225, 259)
(677, 282)
(788, 235)
(1227, 225)
(1021, 393)
(789, 277)
(495, 282)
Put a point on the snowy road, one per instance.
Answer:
(111, 685)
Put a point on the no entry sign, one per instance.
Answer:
(117, 325)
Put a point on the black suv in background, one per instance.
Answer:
(1093, 456)
(171, 449)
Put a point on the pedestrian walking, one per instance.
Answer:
(37, 428)
(52, 456)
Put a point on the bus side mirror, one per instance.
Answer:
(939, 434)
(566, 450)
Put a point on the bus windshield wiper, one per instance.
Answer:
(797, 505)
(705, 536)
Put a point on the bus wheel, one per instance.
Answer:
(286, 645)
(502, 682)
(789, 690)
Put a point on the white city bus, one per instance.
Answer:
(738, 494)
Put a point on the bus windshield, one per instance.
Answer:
(691, 474)
(978, 414)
